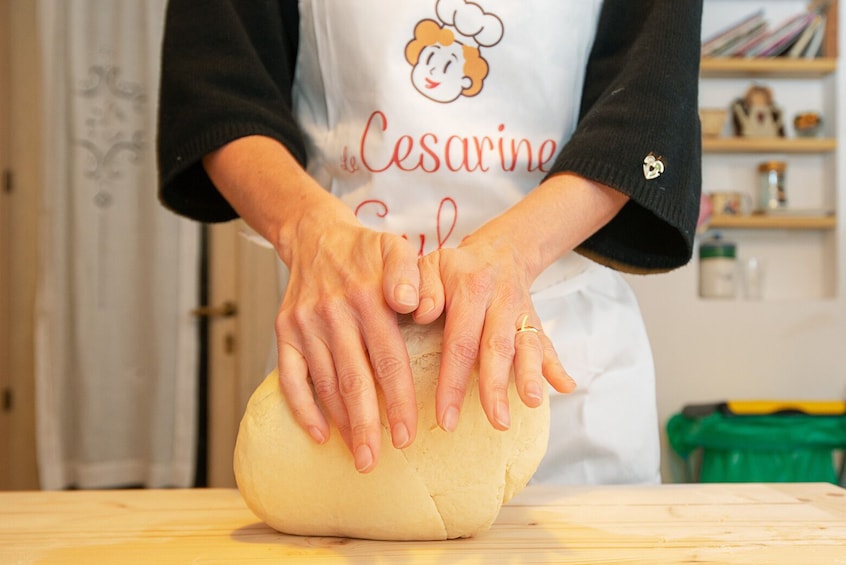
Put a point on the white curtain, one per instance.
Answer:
(116, 344)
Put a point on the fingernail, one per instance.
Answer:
(533, 391)
(400, 436)
(406, 294)
(316, 434)
(501, 415)
(363, 458)
(426, 306)
(450, 419)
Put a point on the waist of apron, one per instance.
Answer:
(568, 274)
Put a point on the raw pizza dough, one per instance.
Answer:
(443, 486)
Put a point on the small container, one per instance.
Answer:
(712, 120)
(771, 189)
(717, 268)
(807, 124)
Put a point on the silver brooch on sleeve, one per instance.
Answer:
(652, 167)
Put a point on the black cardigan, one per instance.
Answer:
(228, 67)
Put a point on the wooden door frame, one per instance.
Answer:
(5, 253)
(222, 357)
(19, 153)
(245, 274)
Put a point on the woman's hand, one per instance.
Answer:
(484, 287)
(337, 327)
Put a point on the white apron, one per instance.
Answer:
(429, 117)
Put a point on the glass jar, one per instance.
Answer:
(717, 268)
(771, 189)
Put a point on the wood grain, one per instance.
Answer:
(769, 145)
(763, 221)
(774, 67)
(737, 523)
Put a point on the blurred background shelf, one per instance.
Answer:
(777, 221)
(769, 144)
(776, 67)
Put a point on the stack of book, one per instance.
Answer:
(800, 35)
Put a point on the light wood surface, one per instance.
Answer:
(728, 67)
(769, 144)
(736, 523)
(764, 221)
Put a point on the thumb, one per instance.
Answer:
(432, 297)
(401, 277)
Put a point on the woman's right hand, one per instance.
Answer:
(337, 333)
(337, 327)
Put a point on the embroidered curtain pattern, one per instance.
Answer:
(116, 345)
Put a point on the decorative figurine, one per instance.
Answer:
(756, 115)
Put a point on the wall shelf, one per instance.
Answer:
(768, 145)
(764, 221)
(777, 67)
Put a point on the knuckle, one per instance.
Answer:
(281, 325)
(285, 320)
(358, 293)
(497, 388)
(388, 369)
(361, 284)
(396, 410)
(329, 309)
(343, 426)
(465, 351)
(502, 346)
(494, 385)
(325, 389)
(455, 389)
(362, 430)
(351, 383)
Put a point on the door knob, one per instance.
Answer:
(225, 310)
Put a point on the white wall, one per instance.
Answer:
(784, 346)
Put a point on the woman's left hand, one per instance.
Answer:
(483, 285)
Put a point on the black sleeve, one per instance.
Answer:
(220, 83)
(640, 97)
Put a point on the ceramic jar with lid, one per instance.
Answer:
(717, 268)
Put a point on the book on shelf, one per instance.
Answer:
(815, 45)
(781, 38)
(749, 42)
(800, 35)
(714, 44)
(803, 43)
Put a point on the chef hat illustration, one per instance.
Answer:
(471, 25)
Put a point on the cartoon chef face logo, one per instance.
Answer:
(445, 55)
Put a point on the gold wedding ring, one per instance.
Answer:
(526, 328)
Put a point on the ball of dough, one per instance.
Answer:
(444, 485)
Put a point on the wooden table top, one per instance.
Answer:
(702, 523)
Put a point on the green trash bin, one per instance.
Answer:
(761, 448)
